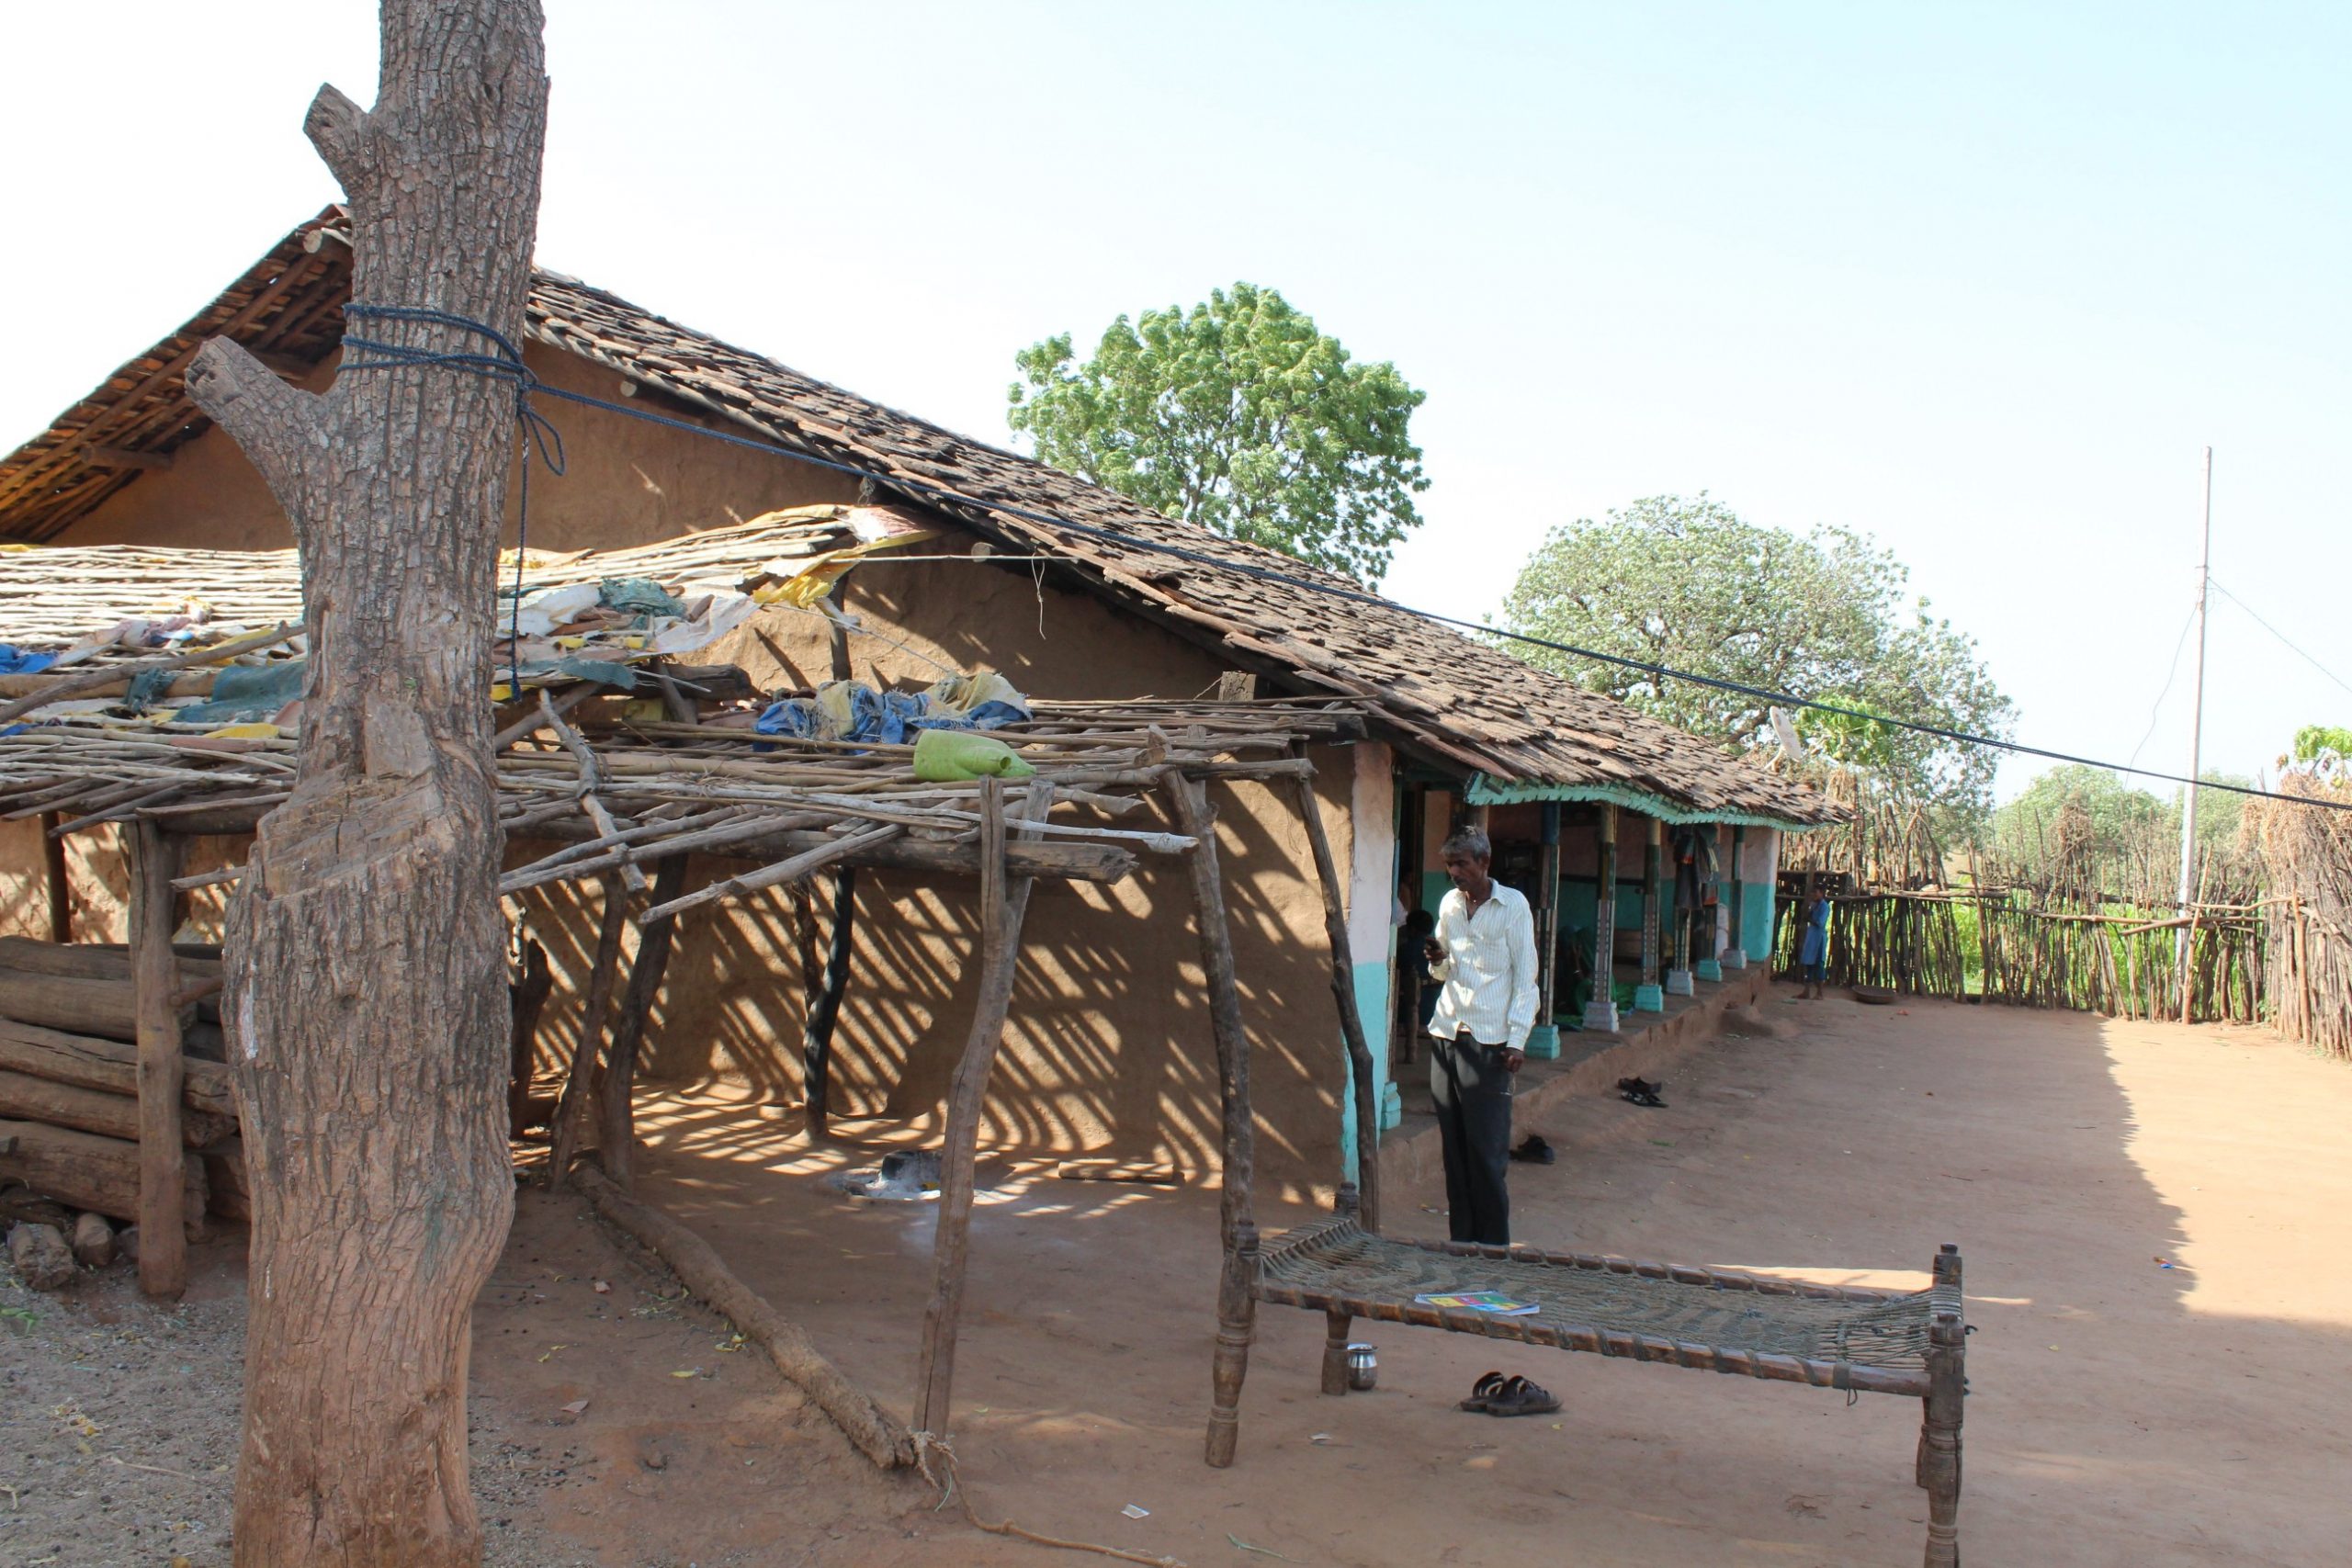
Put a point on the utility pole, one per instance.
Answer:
(2196, 739)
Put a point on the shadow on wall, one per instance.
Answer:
(98, 881)
(1107, 1047)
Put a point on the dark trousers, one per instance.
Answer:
(1472, 1095)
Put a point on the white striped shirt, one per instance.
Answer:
(1488, 969)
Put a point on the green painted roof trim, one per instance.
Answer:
(1485, 791)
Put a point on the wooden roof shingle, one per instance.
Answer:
(1446, 694)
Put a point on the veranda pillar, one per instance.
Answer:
(1710, 919)
(1649, 995)
(1736, 955)
(1600, 1011)
(1543, 1043)
(1678, 977)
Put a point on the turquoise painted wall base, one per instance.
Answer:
(1601, 1018)
(1678, 983)
(1755, 920)
(1543, 1043)
(1734, 958)
(1649, 999)
(1371, 1007)
(1708, 969)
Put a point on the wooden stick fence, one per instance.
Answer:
(1937, 944)
(2307, 855)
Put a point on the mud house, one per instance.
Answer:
(1069, 591)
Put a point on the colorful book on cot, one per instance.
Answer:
(1479, 1301)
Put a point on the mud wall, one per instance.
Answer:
(1108, 1049)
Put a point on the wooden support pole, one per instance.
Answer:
(1543, 1043)
(825, 1008)
(617, 1145)
(839, 647)
(1237, 1306)
(1737, 935)
(1653, 854)
(1004, 902)
(154, 970)
(867, 1424)
(579, 1079)
(60, 893)
(1343, 993)
(1601, 1011)
(1683, 919)
(529, 999)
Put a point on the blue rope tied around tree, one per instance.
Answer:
(505, 364)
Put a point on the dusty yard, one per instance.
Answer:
(2122, 1412)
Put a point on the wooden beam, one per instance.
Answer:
(837, 644)
(108, 1065)
(1343, 994)
(1237, 1307)
(1547, 926)
(824, 1009)
(806, 862)
(866, 1424)
(529, 999)
(1653, 855)
(60, 887)
(578, 1081)
(163, 1243)
(1004, 902)
(125, 458)
(618, 1145)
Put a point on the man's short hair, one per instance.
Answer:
(1468, 841)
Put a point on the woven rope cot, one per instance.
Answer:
(1862, 1340)
(1830, 1335)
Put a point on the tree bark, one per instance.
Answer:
(367, 993)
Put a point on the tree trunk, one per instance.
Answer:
(367, 990)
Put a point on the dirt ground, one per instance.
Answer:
(2121, 1412)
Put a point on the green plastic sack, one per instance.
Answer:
(958, 756)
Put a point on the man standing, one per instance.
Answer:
(1484, 955)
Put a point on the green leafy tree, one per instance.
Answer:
(2315, 741)
(1239, 415)
(1688, 584)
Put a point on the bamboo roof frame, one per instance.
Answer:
(624, 793)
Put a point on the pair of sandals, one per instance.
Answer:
(1495, 1394)
(1641, 1091)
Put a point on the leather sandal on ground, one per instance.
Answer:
(1485, 1388)
(1520, 1397)
(1533, 1151)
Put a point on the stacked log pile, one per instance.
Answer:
(69, 1093)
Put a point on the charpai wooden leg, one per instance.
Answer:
(1237, 1323)
(1335, 1351)
(1939, 1443)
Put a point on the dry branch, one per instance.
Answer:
(877, 1435)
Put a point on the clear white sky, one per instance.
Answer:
(1981, 280)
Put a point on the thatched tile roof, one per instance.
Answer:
(1444, 695)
